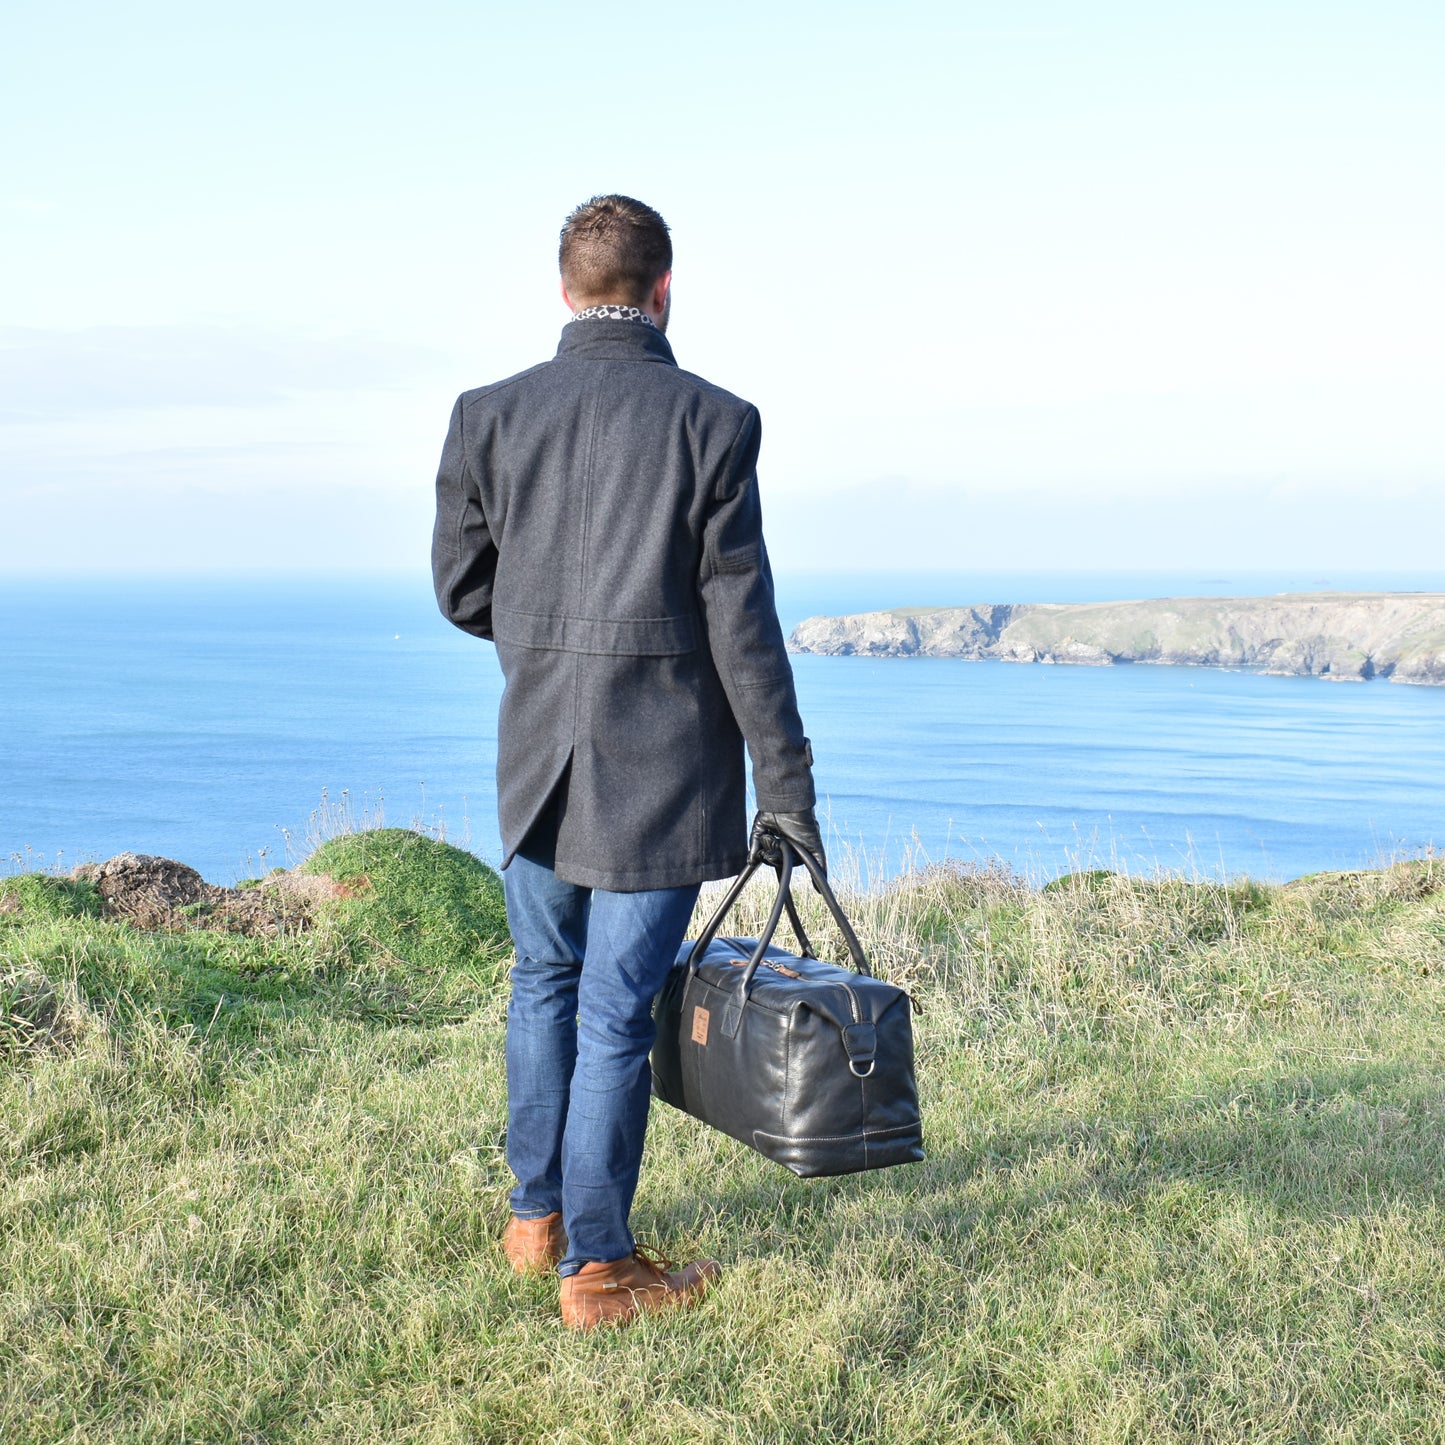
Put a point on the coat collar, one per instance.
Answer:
(596, 340)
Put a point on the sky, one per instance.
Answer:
(1116, 285)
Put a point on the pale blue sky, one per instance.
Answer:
(1123, 285)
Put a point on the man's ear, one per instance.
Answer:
(660, 288)
(567, 300)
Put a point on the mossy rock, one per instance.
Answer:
(427, 903)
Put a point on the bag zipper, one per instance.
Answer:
(853, 1007)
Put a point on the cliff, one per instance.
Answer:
(1341, 636)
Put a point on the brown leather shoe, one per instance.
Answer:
(535, 1246)
(616, 1290)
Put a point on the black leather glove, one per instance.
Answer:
(800, 829)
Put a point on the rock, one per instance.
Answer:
(159, 894)
(1341, 636)
(871, 634)
(1082, 654)
(904, 632)
(1427, 668)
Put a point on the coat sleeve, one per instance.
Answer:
(463, 550)
(740, 617)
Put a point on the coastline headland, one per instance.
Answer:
(1339, 636)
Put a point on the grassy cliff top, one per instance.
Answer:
(1186, 1178)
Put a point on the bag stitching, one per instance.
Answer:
(864, 1134)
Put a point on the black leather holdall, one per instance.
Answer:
(808, 1063)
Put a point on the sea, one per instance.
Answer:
(234, 722)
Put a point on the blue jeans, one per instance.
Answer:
(579, 1030)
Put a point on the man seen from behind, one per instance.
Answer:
(598, 520)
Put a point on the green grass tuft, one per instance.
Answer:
(36, 896)
(423, 901)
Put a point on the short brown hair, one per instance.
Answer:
(613, 249)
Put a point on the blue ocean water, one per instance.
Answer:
(205, 719)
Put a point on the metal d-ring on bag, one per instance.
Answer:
(806, 1062)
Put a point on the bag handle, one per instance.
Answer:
(784, 900)
(805, 945)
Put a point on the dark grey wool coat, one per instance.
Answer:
(598, 518)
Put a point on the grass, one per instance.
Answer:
(1185, 1180)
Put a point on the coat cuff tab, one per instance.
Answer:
(795, 802)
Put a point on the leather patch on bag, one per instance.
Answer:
(700, 1020)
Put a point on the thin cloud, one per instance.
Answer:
(52, 375)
